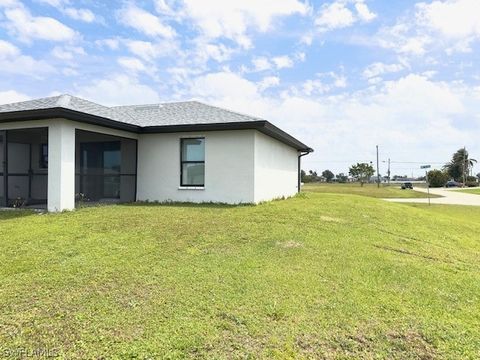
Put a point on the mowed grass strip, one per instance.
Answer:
(316, 276)
(371, 190)
(470, 191)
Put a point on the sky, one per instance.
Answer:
(342, 76)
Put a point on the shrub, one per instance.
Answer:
(437, 178)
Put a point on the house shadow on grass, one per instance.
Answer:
(9, 214)
(210, 205)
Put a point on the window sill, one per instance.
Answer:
(191, 188)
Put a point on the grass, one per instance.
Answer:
(470, 191)
(317, 276)
(371, 190)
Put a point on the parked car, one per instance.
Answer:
(407, 185)
(452, 183)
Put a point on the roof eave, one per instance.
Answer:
(261, 125)
(59, 112)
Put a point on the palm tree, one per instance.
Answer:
(459, 167)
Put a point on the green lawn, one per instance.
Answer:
(317, 276)
(371, 190)
(470, 191)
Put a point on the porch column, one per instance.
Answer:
(61, 166)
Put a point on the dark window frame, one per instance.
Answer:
(182, 162)
(43, 162)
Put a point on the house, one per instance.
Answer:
(56, 150)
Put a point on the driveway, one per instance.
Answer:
(449, 197)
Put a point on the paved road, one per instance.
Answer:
(450, 197)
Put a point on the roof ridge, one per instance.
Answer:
(111, 108)
(230, 111)
(64, 100)
(153, 104)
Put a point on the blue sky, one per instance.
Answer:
(342, 75)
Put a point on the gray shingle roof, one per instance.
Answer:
(182, 113)
(71, 103)
(178, 116)
(178, 113)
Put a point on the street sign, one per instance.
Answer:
(426, 180)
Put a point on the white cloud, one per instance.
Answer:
(261, 64)
(67, 52)
(162, 7)
(282, 62)
(118, 90)
(132, 64)
(143, 49)
(322, 84)
(364, 12)
(219, 53)
(452, 18)
(225, 84)
(150, 51)
(380, 68)
(449, 26)
(12, 61)
(268, 82)
(111, 43)
(403, 38)
(21, 23)
(85, 15)
(234, 19)
(145, 22)
(334, 16)
(7, 49)
(54, 3)
(12, 96)
(81, 14)
(339, 14)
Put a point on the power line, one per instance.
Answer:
(367, 161)
(418, 162)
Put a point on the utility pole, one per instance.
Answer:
(378, 171)
(426, 167)
(464, 164)
(388, 172)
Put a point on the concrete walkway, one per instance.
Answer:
(449, 197)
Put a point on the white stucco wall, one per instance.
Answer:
(61, 166)
(276, 169)
(241, 166)
(229, 169)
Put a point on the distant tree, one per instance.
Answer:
(460, 165)
(310, 177)
(328, 175)
(478, 176)
(342, 178)
(314, 176)
(361, 172)
(303, 176)
(471, 181)
(437, 178)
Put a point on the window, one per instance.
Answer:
(192, 162)
(44, 156)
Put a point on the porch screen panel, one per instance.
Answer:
(106, 167)
(128, 178)
(18, 172)
(2, 190)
